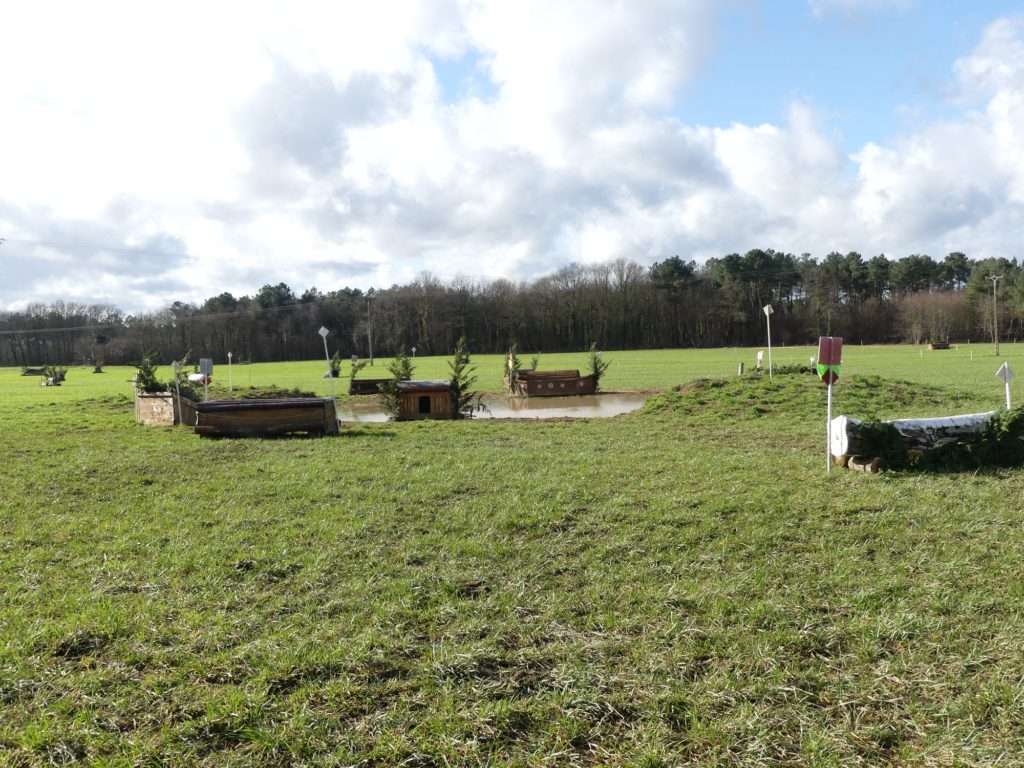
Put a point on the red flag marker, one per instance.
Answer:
(830, 359)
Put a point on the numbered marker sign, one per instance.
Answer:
(830, 358)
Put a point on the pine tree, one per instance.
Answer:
(598, 365)
(462, 381)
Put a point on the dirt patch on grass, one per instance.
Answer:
(79, 644)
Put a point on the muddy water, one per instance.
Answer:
(499, 407)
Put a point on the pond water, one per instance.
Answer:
(500, 407)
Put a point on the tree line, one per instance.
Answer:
(619, 305)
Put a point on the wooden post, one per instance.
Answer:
(176, 366)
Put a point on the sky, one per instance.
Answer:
(156, 153)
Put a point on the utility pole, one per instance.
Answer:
(995, 316)
(369, 327)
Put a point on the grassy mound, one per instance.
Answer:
(796, 394)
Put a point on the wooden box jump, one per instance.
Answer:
(266, 418)
(550, 383)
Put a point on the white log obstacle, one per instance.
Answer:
(918, 434)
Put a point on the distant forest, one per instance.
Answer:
(619, 305)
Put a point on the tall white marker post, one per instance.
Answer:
(230, 388)
(1005, 374)
(768, 318)
(324, 333)
(830, 356)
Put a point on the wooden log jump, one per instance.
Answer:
(917, 434)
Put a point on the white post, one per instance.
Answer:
(1004, 374)
(768, 317)
(230, 388)
(828, 434)
(327, 355)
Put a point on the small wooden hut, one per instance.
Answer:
(425, 400)
(531, 383)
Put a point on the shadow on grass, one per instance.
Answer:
(351, 433)
(306, 436)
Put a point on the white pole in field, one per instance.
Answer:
(324, 333)
(230, 388)
(829, 361)
(768, 318)
(1005, 374)
(828, 434)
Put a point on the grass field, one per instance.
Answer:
(681, 585)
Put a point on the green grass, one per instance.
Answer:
(971, 366)
(678, 585)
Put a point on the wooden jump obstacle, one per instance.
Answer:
(266, 418)
(425, 400)
(849, 449)
(532, 383)
(161, 409)
(365, 386)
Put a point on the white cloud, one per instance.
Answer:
(177, 155)
(853, 7)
